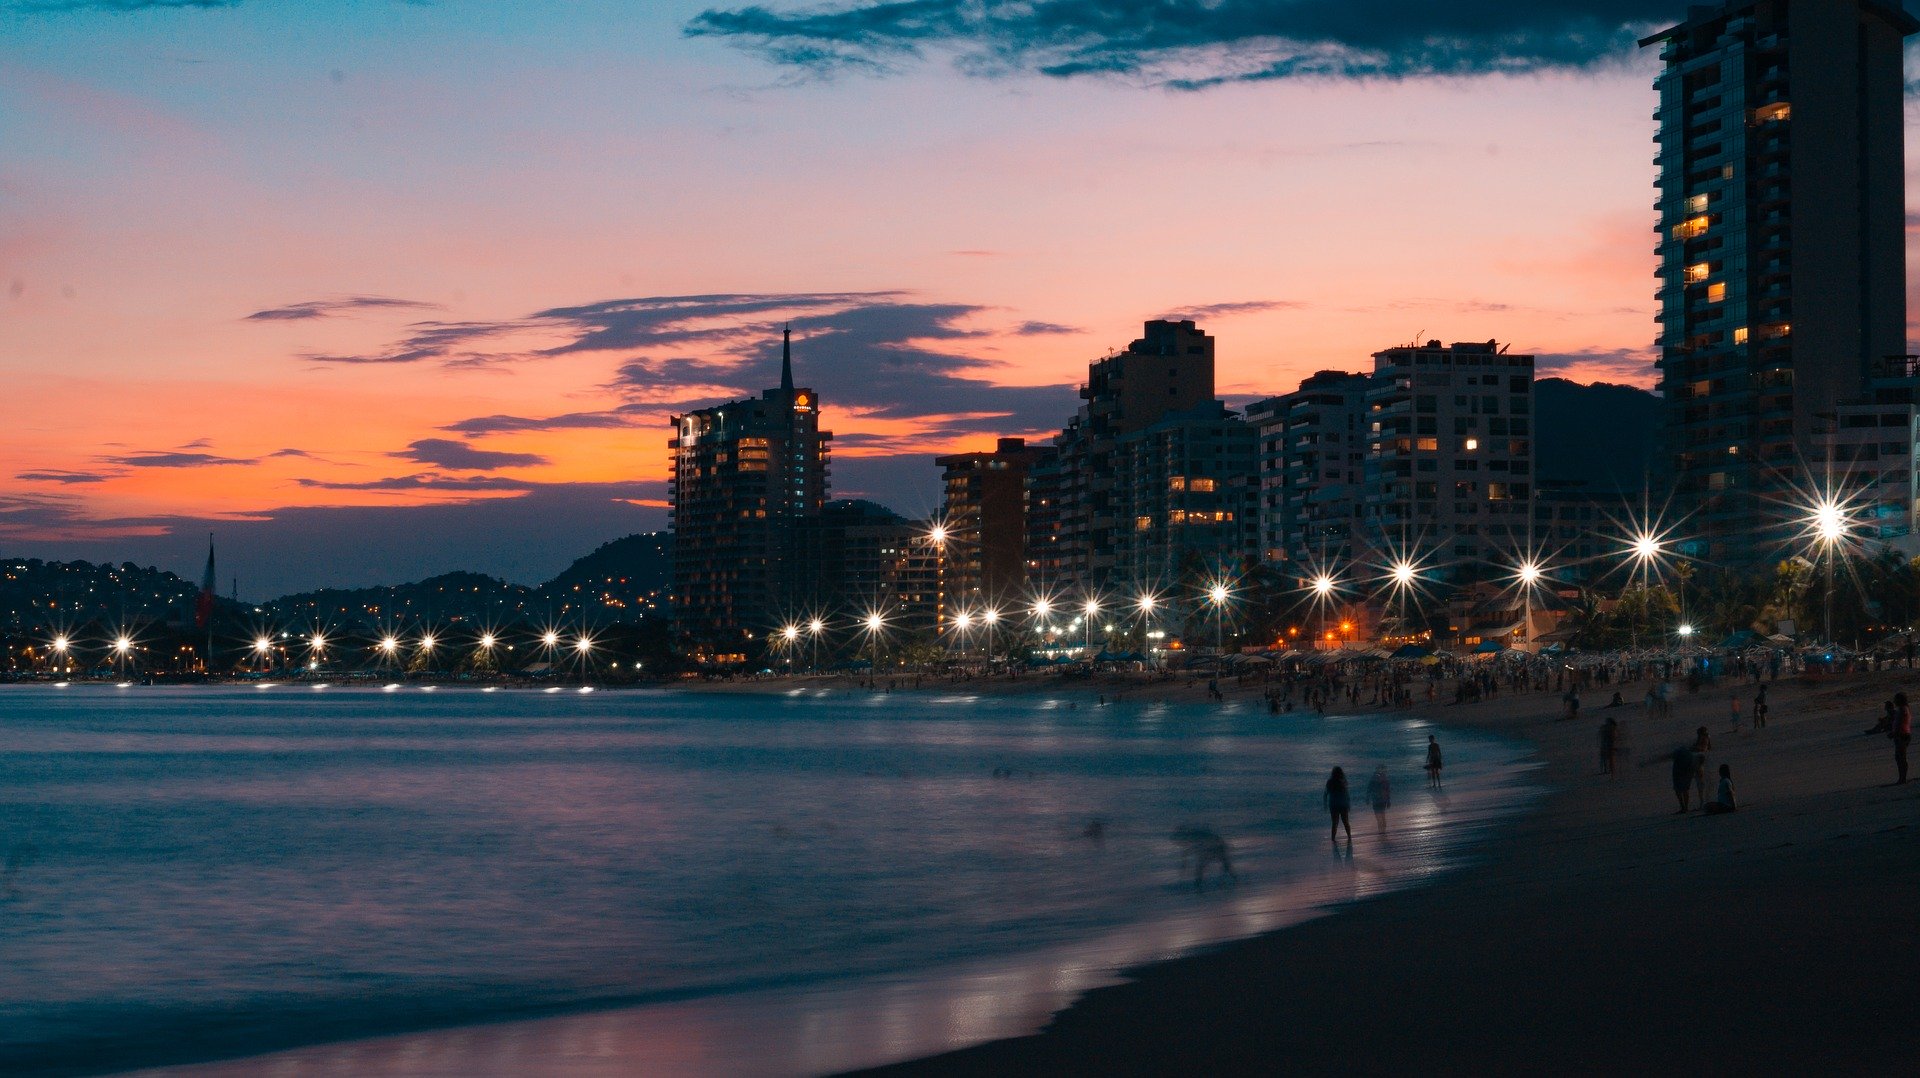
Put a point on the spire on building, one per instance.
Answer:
(786, 359)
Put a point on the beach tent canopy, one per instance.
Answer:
(1411, 651)
(1489, 647)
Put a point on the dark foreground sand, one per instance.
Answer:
(1601, 934)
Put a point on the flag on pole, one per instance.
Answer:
(203, 607)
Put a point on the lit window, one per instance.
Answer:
(1697, 204)
(1697, 272)
(1739, 334)
(1473, 444)
(1690, 228)
(1178, 482)
(1142, 523)
(1716, 291)
(1204, 486)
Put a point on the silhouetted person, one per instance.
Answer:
(1902, 733)
(1380, 794)
(1339, 805)
(1433, 761)
(1682, 777)
(1609, 744)
(1885, 725)
(1204, 847)
(1723, 800)
(1760, 707)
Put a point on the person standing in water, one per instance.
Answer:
(1433, 762)
(1339, 805)
(1380, 794)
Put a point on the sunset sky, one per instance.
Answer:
(376, 290)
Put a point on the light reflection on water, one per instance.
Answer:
(773, 878)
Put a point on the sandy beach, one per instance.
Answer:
(1602, 933)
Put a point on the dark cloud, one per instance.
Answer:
(447, 342)
(459, 456)
(1225, 310)
(1193, 43)
(67, 478)
(1041, 329)
(177, 460)
(886, 357)
(512, 424)
(426, 481)
(326, 308)
(117, 5)
(1630, 366)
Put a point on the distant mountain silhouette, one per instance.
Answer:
(1600, 435)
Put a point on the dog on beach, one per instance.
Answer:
(1202, 848)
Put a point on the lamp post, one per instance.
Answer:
(1529, 576)
(1323, 596)
(1090, 611)
(262, 649)
(814, 628)
(1830, 527)
(1146, 604)
(1217, 595)
(789, 637)
(121, 646)
(989, 618)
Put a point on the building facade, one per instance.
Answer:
(1449, 469)
(747, 478)
(1781, 245)
(1187, 487)
(985, 524)
(1312, 463)
(1079, 516)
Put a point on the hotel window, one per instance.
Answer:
(1177, 516)
(1473, 444)
(1716, 291)
(1142, 523)
(1178, 482)
(1690, 228)
(1201, 484)
(1430, 445)
(1698, 272)
(1739, 334)
(1697, 204)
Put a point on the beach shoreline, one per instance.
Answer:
(1601, 932)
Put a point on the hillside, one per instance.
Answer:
(1601, 435)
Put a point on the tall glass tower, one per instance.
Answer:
(1782, 248)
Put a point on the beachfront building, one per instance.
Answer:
(746, 478)
(984, 523)
(1312, 457)
(1449, 469)
(1187, 486)
(1078, 517)
(1782, 203)
(1867, 461)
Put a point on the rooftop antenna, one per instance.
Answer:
(786, 359)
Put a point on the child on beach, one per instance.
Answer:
(1723, 799)
(1339, 803)
(1433, 762)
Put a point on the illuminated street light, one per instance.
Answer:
(123, 645)
(262, 645)
(486, 641)
(426, 642)
(550, 638)
(1403, 574)
(389, 644)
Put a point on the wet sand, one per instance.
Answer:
(1601, 933)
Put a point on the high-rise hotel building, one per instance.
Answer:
(747, 479)
(1782, 248)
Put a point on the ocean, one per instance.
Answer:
(192, 874)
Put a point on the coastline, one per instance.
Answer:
(1599, 933)
(941, 1005)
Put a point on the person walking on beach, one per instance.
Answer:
(1733, 704)
(1723, 800)
(1682, 777)
(1433, 762)
(1339, 805)
(1609, 742)
(1760, 708)
(1380, 794)
(1902, 733)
